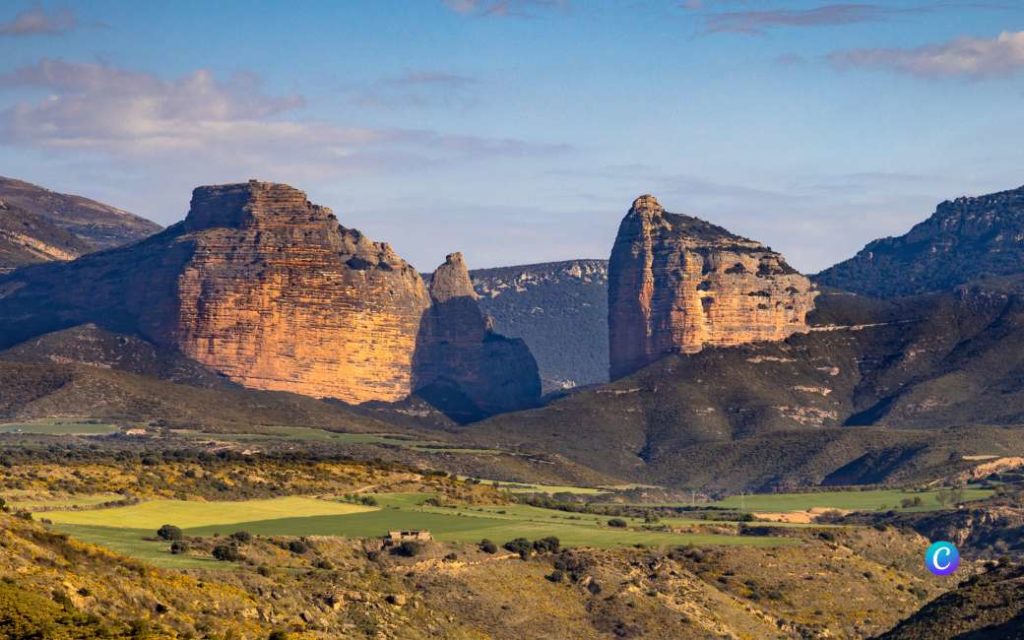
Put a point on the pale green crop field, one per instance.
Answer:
(872, 500)
(153, 514)
(31, 501)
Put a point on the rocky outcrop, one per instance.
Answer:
(965, 239)
(677, 284)
(268, 290)
(279, 296)
(462, 366)
(560, 309)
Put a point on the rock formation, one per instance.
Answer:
(462, 366)
(279, 296)
(560, 309)
(677, 284)
(964, 239)
(26, 238)
(268, 290)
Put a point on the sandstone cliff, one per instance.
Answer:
(462, 366)
(268, 290)
(964, 239)
(677, 284)
(279, 296)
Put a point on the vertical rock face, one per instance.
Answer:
(279, 296)
(268, 290)
(677, 284)
(462, 366)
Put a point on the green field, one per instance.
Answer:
(151, 515)
(52, 428)
(123, 529)
(524, 487)
(872, 500)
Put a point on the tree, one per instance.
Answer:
(169, 532)
(618, 523)
(179, 547)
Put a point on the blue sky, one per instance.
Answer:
(519, 131)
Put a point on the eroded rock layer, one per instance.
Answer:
(279, 296)
(462, 366)
(677, 284)
(261, 286)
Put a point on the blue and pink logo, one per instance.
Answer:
(942, 558)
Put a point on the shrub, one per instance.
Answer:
(3, 506)
(408, 549)
(451, 557)
(298, 547)
(618, 523)
(243, 537)
(487, 546)
(555, 576)
(522, 546)
(227, 553)
(169, 532)
(550, 544)
(179, 547)
(278, 635)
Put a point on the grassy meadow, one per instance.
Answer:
(871, 500)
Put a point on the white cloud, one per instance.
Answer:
(36, 21)
(962, 57)
(100, 108)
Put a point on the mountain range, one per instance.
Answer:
(731, 371)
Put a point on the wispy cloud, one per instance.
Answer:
(504, 8)
(36, 21)
(759, 22)
(963, 57)
(418, 89)
(100, 108)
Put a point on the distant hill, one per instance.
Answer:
(770, 415)
(98, 225)
(560, 309)
(963, 240)
(26, 238)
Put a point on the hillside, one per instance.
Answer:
(716, 416)
(965, 239)
(98, 225)
(990, 605)
(560, 309)
(26, 238)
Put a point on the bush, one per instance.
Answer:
(298, 547)
(522, 546)
(179, 547)
(488, 547)
(555, 576)
(550, 544)
(243, 537)
(278, 635)
(408, 549)
(618, 523)
(169, 532)
(227, 553)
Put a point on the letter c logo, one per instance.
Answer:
(942, 558)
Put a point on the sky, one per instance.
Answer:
(519, 131)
